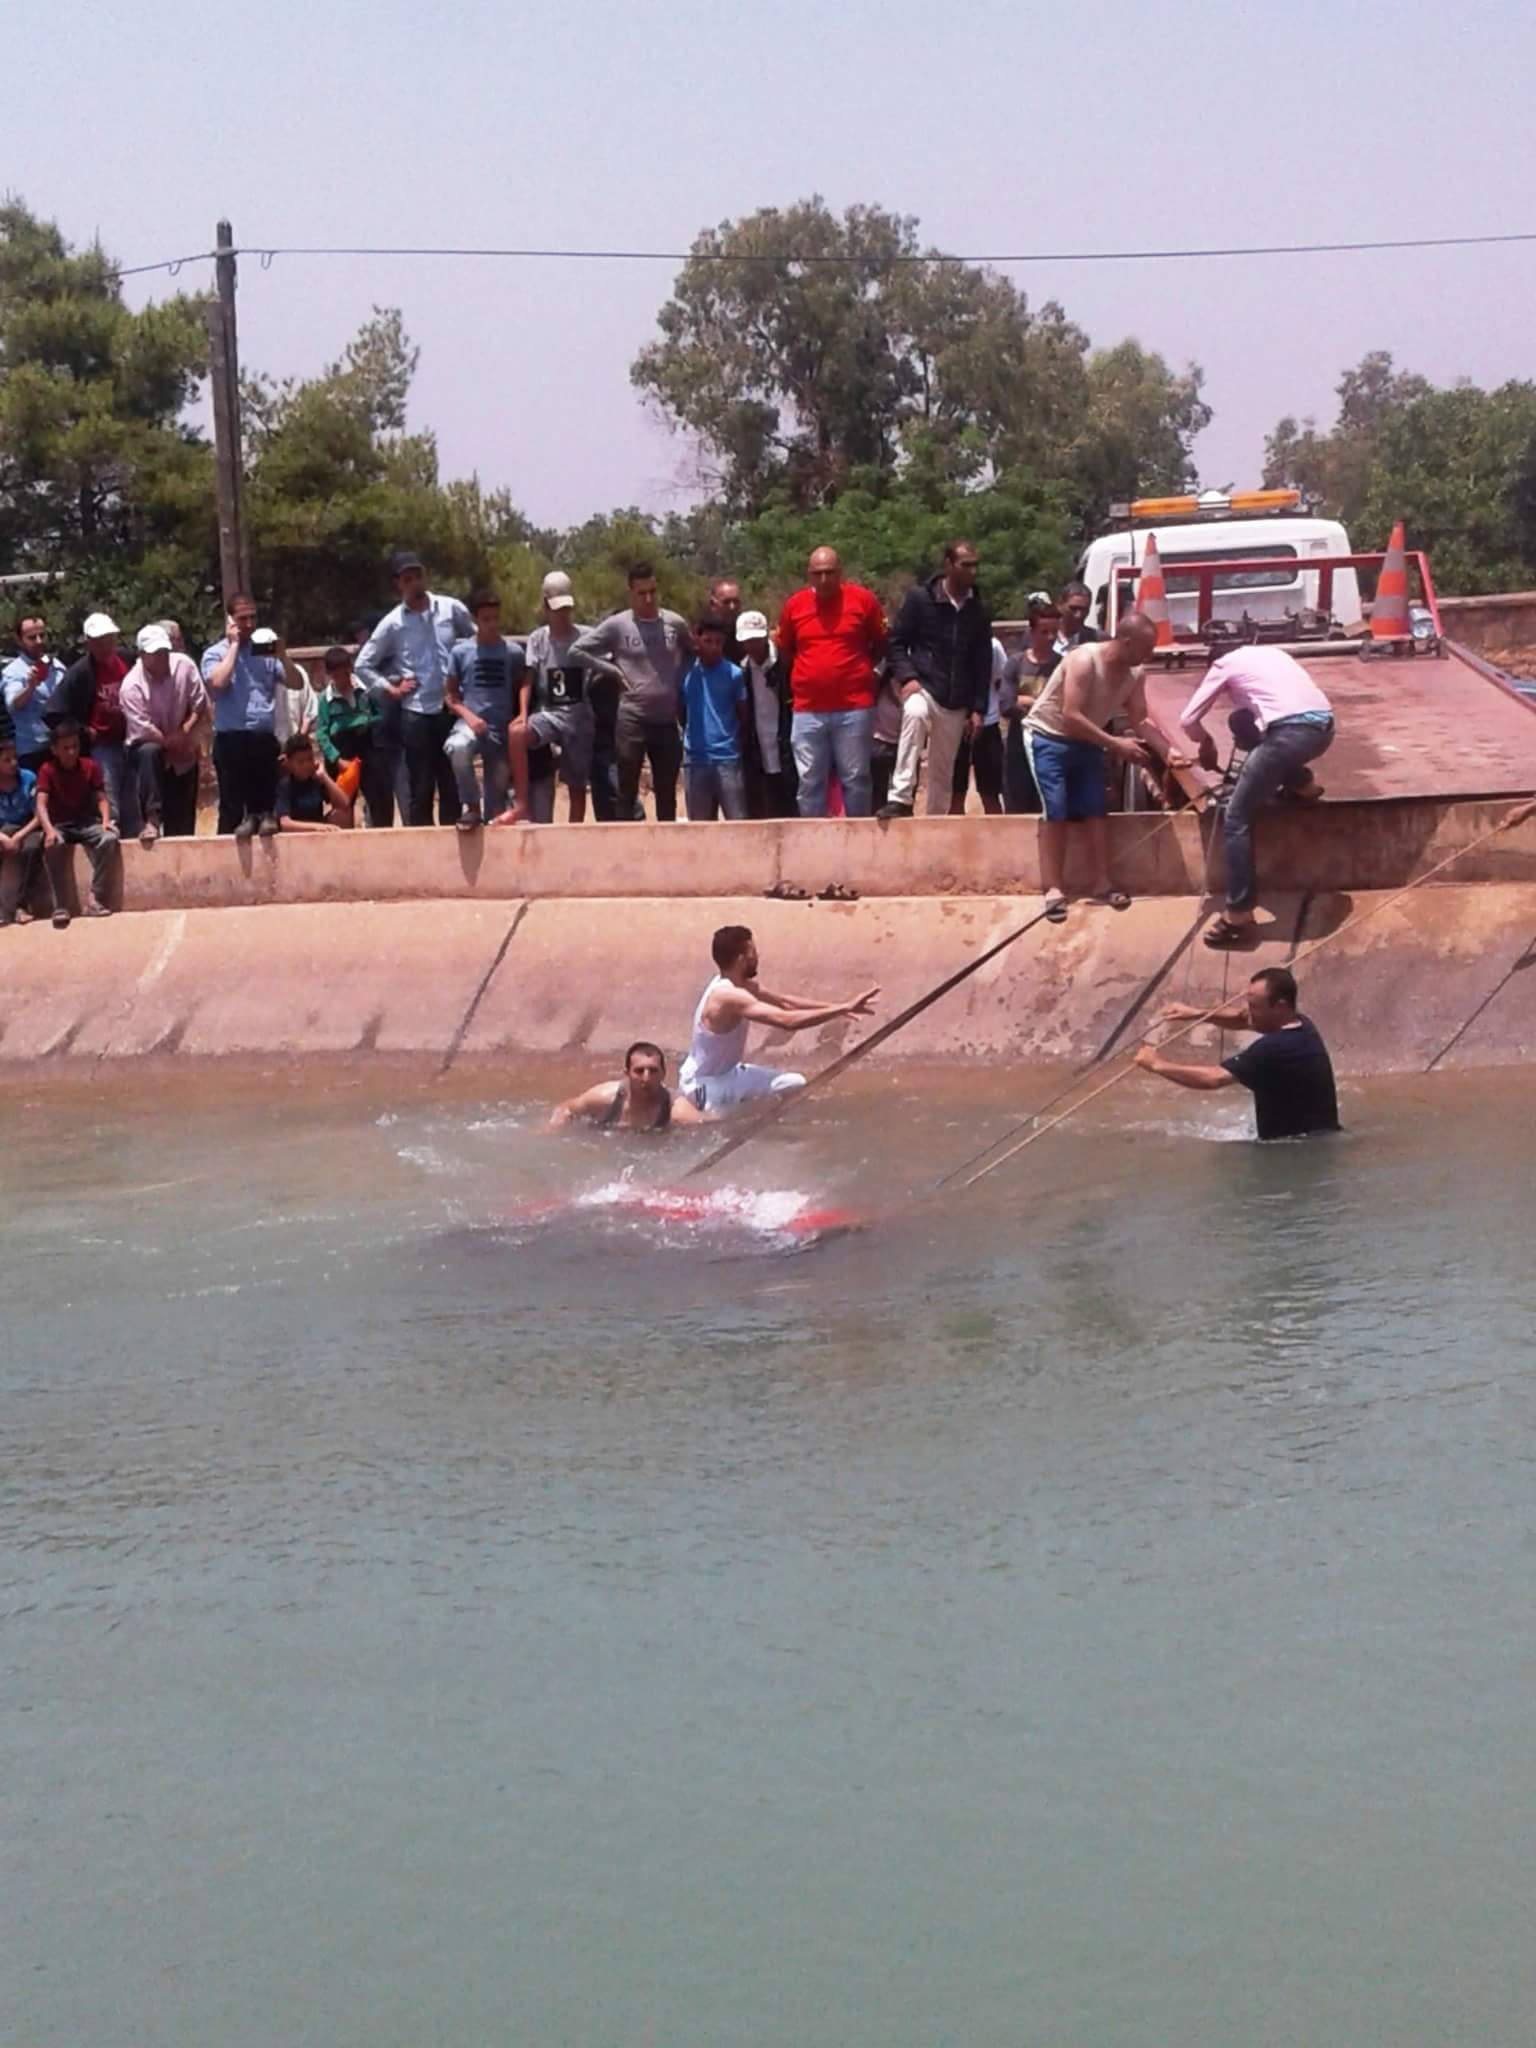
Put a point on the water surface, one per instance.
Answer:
(1093, 1609)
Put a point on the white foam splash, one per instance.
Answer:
(770, 1211)
(428, 1158)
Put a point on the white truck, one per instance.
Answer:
(1218, 526)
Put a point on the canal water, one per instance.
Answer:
(441, 1602)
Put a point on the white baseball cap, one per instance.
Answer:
(154, 640)
(99, 625)
(264, 636)
(557, 591)
(751, 626)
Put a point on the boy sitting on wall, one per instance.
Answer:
(20, 835)
(73, 810)
(307, 798)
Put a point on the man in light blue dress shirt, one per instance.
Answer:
(243, 673)
(407, 658)
(31, 683)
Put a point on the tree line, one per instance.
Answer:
(858, 391)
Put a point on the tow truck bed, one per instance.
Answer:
(1420, 726)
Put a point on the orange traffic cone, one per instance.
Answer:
(1389, 614)
(1152, 593)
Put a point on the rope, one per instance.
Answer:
(778, 1105)
(1521, 812)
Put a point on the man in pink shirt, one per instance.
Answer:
(1287, 722)
(166, 708)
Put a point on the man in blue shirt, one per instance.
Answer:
(31, 683)
(406, 659)
(485, 677)
(244, 672)
(714, 700)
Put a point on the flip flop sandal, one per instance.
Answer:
(1113, 899)
(838, 892)
(1223, 934)
(788, 892)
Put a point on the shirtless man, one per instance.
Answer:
(715, 1076)
(642, 1101)
(1066, 736)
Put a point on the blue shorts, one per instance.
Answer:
(1069, 775)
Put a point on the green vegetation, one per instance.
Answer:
(881, 401)
(1458, 466)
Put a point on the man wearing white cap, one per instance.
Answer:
(166, 709)
(92, 695)
(555, 707)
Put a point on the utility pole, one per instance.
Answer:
(224, 376)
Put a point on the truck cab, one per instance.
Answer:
(1218, 526)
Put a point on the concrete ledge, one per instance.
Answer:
(1435, 979)
(1377, 845)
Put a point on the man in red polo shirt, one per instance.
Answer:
(831, 641)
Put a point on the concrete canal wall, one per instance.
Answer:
(432, 945)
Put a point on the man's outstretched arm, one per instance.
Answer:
(1231, 1016)
(1151, 1061)
(758, 1010)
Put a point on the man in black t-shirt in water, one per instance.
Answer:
(1287, 1067)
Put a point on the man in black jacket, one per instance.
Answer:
(766, 752)
(91, 694)
(941, 664)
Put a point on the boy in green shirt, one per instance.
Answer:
(346, 731)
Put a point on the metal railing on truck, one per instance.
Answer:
(1204, 575)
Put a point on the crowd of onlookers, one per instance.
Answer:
(442, 718)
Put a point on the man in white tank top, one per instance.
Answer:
(715, 1077)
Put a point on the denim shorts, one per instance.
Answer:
(1069, 775)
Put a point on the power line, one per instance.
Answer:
(1360, 248)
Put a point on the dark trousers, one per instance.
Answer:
(428, 767)
(384, 784)
(605, 779)
(771, 796)
(661, 744)
(1020, 796)
(246, 766)
(882, 766)
(17, 871)
(100, 843)
(982, 757)
(167, 795)
(378, 784)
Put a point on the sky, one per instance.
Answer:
(1004, 129)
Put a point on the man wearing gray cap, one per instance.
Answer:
(91, 694)
(166, 708)
(406, 659)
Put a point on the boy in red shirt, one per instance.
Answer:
(73, 810)
(832, 640)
